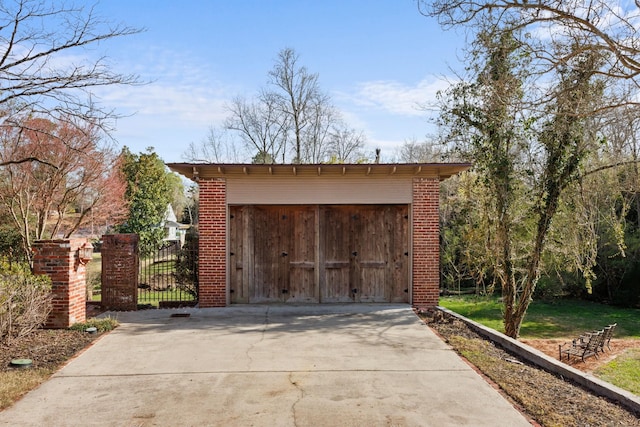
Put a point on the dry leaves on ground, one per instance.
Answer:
(47, 348)
(550, 348)
(543, 396)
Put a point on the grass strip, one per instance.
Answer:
(624, 371)
(17, 382)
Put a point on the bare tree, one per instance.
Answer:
(215, 148)
(291, 119)
(261, 125)
(40, 73)
(317, 135)
(299, 97)
(609, 29)
(413, 151)
(346, 144)
(622, 128)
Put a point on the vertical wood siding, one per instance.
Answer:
(319, 253)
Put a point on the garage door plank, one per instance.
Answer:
(302, 245)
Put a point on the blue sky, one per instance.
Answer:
(377, 59)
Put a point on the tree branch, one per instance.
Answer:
(611, 166)
(26, 160)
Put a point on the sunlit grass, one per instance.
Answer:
(485, 310)
(16, 383)
(556, 319)
(624, 371)
(154, 297)
(103, 324)
(166, 266)
(95, 265)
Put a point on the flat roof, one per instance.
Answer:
(195, 171)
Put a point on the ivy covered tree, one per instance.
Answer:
(581, 59)
(484, 117)
(150, 187)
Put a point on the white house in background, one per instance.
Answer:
(174, 231)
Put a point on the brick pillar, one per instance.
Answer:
(212, 230)
(120, 263)
(60, 261)
(426, 242)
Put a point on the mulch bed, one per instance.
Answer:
(47, 348)
(540, 395)
(550, 348)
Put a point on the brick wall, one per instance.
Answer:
(120, 263)
(212, 226)
(426, 242)
(59, 260)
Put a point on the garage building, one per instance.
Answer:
(318, 233)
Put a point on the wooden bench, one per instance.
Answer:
(606, 337)
(585, 346)
(589, 344)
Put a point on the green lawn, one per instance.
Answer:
(153, 298)
(624, 371)
(557, 319)
(95, 266)
(148, 268)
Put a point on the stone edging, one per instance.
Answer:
(538, 358)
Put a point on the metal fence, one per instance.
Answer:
(169, 276)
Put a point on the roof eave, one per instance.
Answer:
(195, 171)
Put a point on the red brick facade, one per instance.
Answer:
(60, 261)
(120, 264)
(212, 230)
(426, 242)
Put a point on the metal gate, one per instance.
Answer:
(168, 277)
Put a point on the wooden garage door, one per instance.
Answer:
(272, 254)
(364, 253)
(318, 253)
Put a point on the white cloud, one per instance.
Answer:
(398, 98)
(182, 89)
(619, 20)
(182, 99)
(170, 102)
(391, 112)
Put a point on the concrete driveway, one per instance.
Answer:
(320, 365)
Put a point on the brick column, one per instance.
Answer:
(59, 260)
(120, 263)
(212, 230)
(426, 242)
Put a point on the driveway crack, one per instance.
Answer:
(265, 325)
(300, 397)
